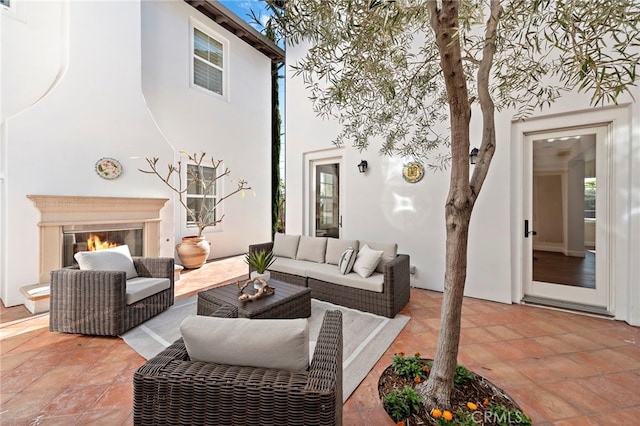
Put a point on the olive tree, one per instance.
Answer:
(390, 71)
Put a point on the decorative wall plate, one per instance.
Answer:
(413, 171)
(108, 168)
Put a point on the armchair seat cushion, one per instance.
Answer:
(140, 288)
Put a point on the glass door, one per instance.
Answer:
(327, 200)
(566, 217)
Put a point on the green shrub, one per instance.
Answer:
(400, 404)
(462, 375)
(409, 367)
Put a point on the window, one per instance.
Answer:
(5, 3)
(590, 198)
(208, 62)
(201, 188)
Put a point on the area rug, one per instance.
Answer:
(366, 336)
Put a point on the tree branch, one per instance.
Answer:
(488, 144)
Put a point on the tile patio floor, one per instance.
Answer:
(562, 368)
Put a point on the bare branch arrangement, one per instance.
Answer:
(202, 217)
(264, 290)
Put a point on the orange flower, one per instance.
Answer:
(401, 353)
(417, 379)
(400, 423)
(472, 406)
(447, 415)
(418, 354)
(485, 402)
(436, 413)
(425, 368)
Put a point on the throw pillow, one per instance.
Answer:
(366, 261)
(285, 245)
(312, 249)
(389, 252)
(262, 343)
(113, 259)
(346, 261)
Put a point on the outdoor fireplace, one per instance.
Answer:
(76, 238)
(66, 222)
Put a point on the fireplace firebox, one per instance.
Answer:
(77, 238)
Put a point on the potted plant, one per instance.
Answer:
(194, 250)
(260, 260)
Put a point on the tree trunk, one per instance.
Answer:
(462, 192)
(437, 389)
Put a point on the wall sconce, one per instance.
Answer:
(473, 155)
(362, 167)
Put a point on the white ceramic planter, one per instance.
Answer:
(266, 276)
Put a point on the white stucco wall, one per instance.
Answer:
(372, 212)
(52, 137)
(236, 130)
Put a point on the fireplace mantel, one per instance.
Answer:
(57, 211)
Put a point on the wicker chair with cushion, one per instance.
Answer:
(105, 302)
(172, 389)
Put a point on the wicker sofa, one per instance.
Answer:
(172, 389)
(95, 302)
(384, 292)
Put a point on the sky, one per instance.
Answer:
(242, 8)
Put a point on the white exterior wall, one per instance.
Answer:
(381, 206)
(238, 131)
(72, 93)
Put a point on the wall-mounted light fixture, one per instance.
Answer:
(362, 167)
(473, 155)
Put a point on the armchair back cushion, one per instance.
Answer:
(263, 343)
(113, 259)
(285, 245)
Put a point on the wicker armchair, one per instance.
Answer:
(172, 389)
(94, 302)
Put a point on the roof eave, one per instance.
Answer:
(241, 29)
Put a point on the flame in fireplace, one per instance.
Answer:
(94, 243)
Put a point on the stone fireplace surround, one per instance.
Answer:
(57, 211)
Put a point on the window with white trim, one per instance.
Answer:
(5, 3)
(208, 62)
(198, 194)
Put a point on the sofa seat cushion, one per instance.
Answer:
(335, 248)
(262, 343)
(331, 273)
(140, 288)
(292, 266)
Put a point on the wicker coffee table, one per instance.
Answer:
(288, 301)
